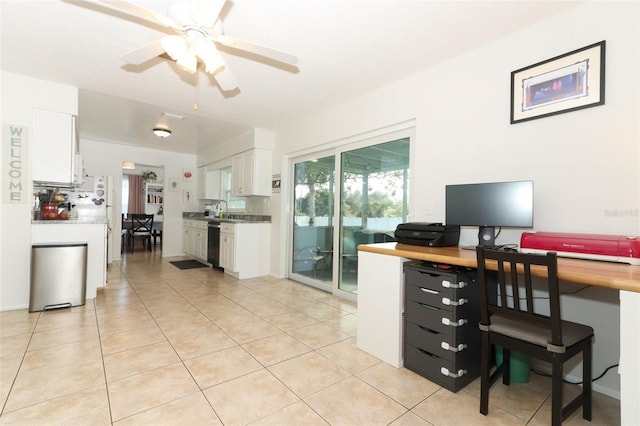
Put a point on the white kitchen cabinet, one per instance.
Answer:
(201, 175)
(194, 238)
(251, 173)
(227, 248)
(55, 157)
(244, 249)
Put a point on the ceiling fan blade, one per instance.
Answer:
(144, 53)
(247, 46)
(141, 12)
(206, 12)
(226, 79)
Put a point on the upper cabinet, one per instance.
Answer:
(55, 159)
(251, 173)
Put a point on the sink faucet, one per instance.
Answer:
(226, 206)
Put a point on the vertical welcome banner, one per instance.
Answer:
(15, 146)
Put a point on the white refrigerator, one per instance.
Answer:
(94, 201)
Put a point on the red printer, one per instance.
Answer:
(612, 248)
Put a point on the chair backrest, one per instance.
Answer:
(514, 276)
(141, 223)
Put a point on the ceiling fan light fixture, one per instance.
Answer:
(188, 62)
(210, 56)
(175, 46)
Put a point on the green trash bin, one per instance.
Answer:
(520, 365)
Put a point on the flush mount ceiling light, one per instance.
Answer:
(161, 129)
(129, 165)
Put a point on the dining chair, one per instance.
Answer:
(508, 319)
(141, 229)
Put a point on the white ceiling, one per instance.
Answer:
(344, 47)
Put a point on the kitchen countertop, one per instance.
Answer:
(228, 218)
(93, 221)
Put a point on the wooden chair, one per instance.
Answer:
(141, 229)
(513, 324)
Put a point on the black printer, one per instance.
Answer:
(428, 234)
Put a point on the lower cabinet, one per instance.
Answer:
(441, 335)
(244, 249)
(194, 238)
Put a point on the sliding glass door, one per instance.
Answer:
(352, 195)
(313, 201)
(373, 201)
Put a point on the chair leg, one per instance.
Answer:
(485, 366)
(586, 381)
(556, 391)
(506, 369)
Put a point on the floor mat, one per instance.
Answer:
(188, 264)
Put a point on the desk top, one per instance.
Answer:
(619, 276)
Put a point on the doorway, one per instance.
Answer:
(143, 192)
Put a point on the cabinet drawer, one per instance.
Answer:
(444, 345)
(432, 279)
(431, 366)
(432, 317)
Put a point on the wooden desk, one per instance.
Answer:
(380, 304)
(618, 276)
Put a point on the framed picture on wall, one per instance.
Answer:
(187, 175)
(174, 184)
(569, 82)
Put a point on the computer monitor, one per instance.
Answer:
(490, 205)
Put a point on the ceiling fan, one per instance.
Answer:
(199, 30)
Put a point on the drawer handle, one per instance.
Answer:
(428, 330)
(445, 371)
(433, 308)
(459, 302)
(447, 284)
(428, 290)
(460, 322)
(448, 347)
(427, 353)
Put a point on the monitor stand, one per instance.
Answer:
(486, 238)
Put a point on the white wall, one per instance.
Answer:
(584, 164)
(19, 96)
(103, 158)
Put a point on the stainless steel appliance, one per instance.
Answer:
(213, 244)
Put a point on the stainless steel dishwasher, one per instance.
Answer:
(58, 276)
(213, 244)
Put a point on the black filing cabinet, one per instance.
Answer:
(441, 335)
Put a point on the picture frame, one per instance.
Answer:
(173, 184)
(565, 83)
(187, 175)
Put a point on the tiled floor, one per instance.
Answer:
(163, 346)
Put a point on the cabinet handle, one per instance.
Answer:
(459, 323)
(448, 347)
(445, 371)
(459, 302)
(447, 284)
(428, 290)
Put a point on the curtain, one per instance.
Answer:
(136, 194)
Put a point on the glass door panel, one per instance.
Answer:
(313, 201)
(374, 199)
